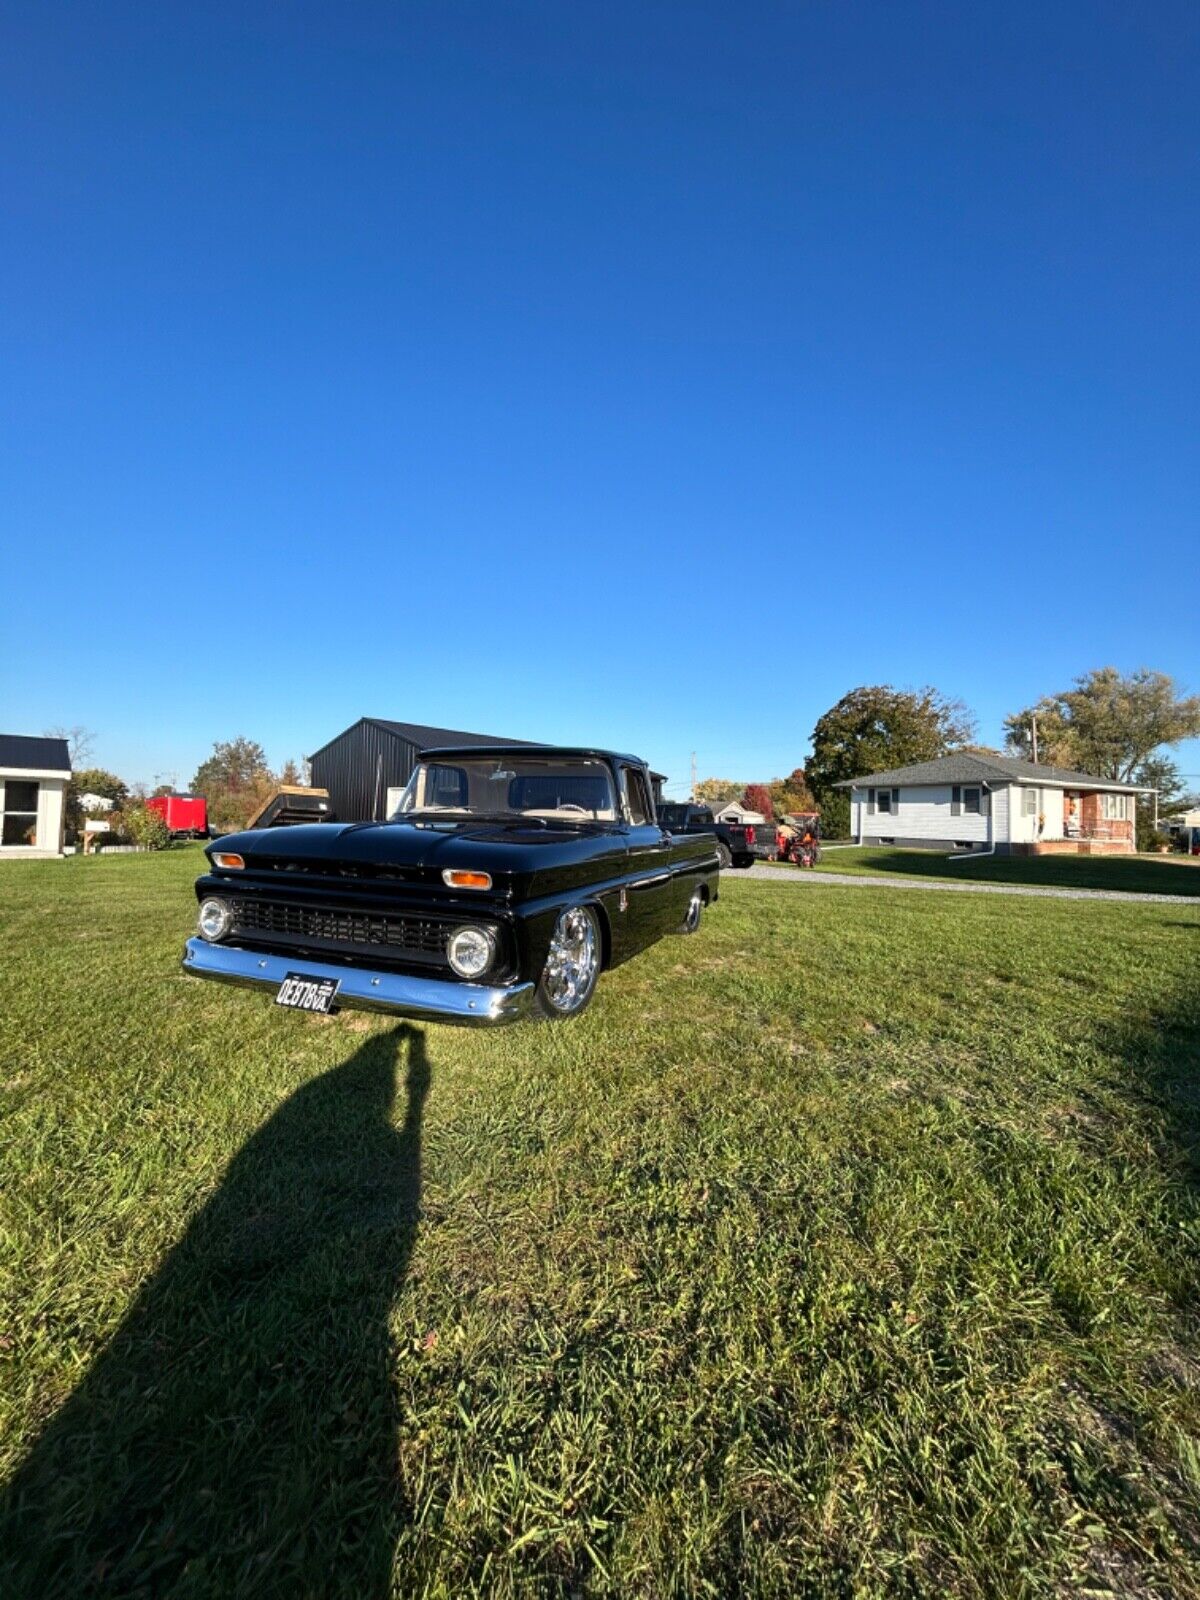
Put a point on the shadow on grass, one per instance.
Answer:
(1130, 874)
(238, 1435)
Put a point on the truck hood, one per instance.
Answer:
(496, 847)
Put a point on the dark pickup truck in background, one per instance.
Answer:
(738, 844)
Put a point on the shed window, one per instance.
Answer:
(20, 813)
(1029, 802)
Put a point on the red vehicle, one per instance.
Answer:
(185, 814)
(803, 847)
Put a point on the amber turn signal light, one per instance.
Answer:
(466, 880)
(230, 863)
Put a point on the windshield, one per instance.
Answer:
(567, 789)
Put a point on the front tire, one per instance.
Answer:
(572, 969)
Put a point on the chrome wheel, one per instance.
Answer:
(691, 919)
(573, 963)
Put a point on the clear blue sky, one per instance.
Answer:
(646, 374)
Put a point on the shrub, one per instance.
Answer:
(835, 815)
(146, 828)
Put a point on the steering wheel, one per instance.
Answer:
(569, 805)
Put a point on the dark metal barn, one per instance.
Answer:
(376, 756)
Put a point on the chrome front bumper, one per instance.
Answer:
(434, 999)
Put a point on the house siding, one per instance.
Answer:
(924, 817)
(1002, 804)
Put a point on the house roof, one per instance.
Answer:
(34, 755)
(964, 768)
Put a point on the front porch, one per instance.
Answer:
(1075, 847)
(1095, 822)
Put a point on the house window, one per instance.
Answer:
(1029, 802)
(972, 802)
(20, 813)
(884, 799)
(1114, 807)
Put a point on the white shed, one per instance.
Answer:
(34, 774)
(735, 811)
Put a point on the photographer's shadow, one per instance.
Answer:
(239, 1433)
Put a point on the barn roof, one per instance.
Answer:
(425, 738)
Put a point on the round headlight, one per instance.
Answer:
(470, 951)
(214, 919)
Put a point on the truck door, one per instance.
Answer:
(651, 911)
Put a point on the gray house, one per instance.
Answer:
(996, 803)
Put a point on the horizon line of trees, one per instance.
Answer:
(1116, 726)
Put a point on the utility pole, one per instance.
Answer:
(1033, 722)
(693, 793)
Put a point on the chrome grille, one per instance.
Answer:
(326, 925)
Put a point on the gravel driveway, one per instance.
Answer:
(797, 875)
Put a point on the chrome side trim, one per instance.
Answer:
(433, 999)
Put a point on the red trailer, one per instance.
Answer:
(185, 814)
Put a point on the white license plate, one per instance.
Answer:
(300, 992)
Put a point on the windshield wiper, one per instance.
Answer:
(505, 816)
(437, 814)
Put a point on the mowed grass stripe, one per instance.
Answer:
(849, 1247)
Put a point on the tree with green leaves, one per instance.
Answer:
(235, 780)
(235, 765)
(1160, 773)
(872, 729)
(1108, 723)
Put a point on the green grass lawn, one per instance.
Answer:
(848, 1248)
(1133, 874)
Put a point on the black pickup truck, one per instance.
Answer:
(738, 844)
(505, 882)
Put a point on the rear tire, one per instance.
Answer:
(572, 969)
(724, 856)
(691, 919)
